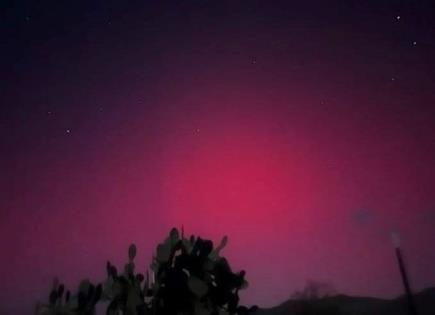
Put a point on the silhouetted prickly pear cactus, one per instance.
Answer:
(83, 303)
(189, 277)
(124, 292)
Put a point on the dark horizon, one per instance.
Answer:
(303, 131)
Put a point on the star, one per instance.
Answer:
(414, 43)
(68, 131)
(398, 18)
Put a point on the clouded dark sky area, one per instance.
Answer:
(304, 130)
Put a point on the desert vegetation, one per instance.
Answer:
(188, 276)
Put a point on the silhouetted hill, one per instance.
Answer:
(349, 305)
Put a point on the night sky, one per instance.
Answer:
(303, 130)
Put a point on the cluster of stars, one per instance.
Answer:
(398, 17)
(68, 130)
(414, 43)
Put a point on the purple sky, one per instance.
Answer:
(303, 132)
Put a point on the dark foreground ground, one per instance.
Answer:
(348, 305)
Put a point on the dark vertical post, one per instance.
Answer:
(411, 305)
